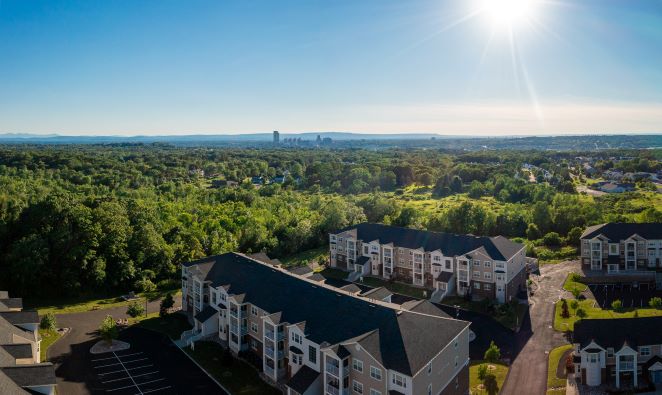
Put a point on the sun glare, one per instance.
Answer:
(509, 13)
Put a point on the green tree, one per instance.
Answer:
(482, 371)
(108, 329)
(491, 385)
(135, 309)
(532, 232)
(48, 321)
(166, 304)
(580, 313)
(655, 302)
(617, 305)
(493, 353)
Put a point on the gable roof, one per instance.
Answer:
(450, 244)
(300, 270)
(9, 332)
(379, 293)
(616, 231)
(31, 375)
(303, 379)
(18, 351)
(406, 340)
(614, 333)
(20, 317)
(205, 314)
(11, 303)
(9, 387)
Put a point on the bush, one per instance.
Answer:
(108, 329)
(552, 239)
(491, 385)
(580, 313)
(575, 277)
(482, 372)
(135, 309)
(576, 292)
(145, 285)
(564, 309)
(532, 232)
(48, 322)
(655, 302)
(574, 304)
(617, 305)
(493, 353)
(166, 303)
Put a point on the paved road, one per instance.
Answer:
(528, 372)
(70, 353)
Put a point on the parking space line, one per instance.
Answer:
(140, 367)
(136, 360)
(158, 389)
(105, 366)
(149, 382)
(127, 372)
(102, 359)
(121, 388)
(116, 371)
(145, 374)
(113, 380)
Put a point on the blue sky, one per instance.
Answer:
(373, 66)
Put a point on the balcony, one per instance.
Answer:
(233, 313)
(626, 366)
(332, 369)
(331, 389)
(269, 371)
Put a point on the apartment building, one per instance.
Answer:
(315, 339)
(620, 247)
(21, 371)
(624, 354)
(445, 263)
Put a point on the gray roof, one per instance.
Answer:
(405, 341)
(445, 277)
(617, 332)
(18, 351)
(205, 314)
(379, 293)
(300, 270)
(303, 379)
(31, 375)
(4, 295)
(9, 387)
(616, 231)
(9, 331)
(11, 303)
(20, 317)
(351, 288)
(450, 244)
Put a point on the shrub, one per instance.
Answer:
(108, 329)
(576, 293)
(564, 309)
(617, 305)
(135, 309)
(580, 313)
(574, 304)
(575, 277)
(655, 302)
(482, 372)
(48, 322)
(552, 239)
(493, 353)
(166, 303)
(491, 385)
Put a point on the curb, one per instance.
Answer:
(201, 368)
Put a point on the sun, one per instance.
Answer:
(509, 13)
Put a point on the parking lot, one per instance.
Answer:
(130, 372)
(629, 295)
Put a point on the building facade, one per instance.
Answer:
(314, 339)
(620, 247)
(446, 264)
(623, 353)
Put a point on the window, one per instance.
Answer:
(476, 263)
(488, 264)
(375, 373)
(476, 285)
(254, 310)
(593, 358)
(499, 277)
(374, 392)
(357, 365)
(610, 352)
(645, 351)
(448, 264)
(254, 327)
(296, 338)
(312, 354)
(399, 380)
(613, 249)
(357, 387)
(487, 287)
(365, 250)
(476, 274)
(487, 275)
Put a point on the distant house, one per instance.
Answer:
(257, 180)
(588, 169)
(278, 180)
(611, 187)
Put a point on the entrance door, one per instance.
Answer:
(656, 376)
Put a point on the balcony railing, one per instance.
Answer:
(626, 366)
(333, 370)
(268, 370)
(331, 389)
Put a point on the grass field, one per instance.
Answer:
(500, 372)
(594, 311)
(237, 376)
(48, 337)
(554, 383)
(396, 287)
(86, 303)
(320, 254)
(171, 325)
(570, 284)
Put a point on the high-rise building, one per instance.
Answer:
(276, 137)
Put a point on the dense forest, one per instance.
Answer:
(117, 217)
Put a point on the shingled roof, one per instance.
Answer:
(402, 340)
(614, 333)
(11, 303)
(450, 244)
(31, 375)
(20, 317)
(616, 231)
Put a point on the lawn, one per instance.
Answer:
(594, 311)
(171, 325)
(554, 383)
(237, 376)
(571, 283)
(397, 287)
(320, 254)
(86, 303)
(500, 372)
(48, 337)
